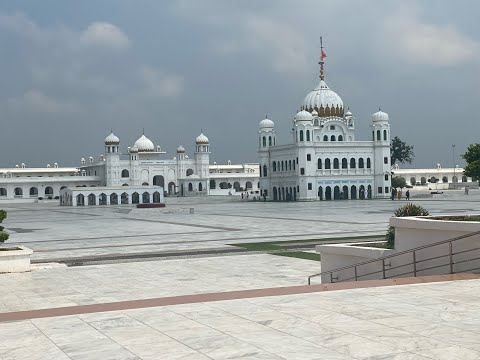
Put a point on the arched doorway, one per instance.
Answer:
(33, 191)
(48, 191)
(92, 199)
(113, 199)
(248, 185)
(190, 187)
(320, 192)
(345, 192)
(464, 178)
(135, 198)
(413, 180)
(213, 184)
(369, 191)
(336, 193)
(362, 192)
(275, 196)
(423, 180)
(454, 179)
(353, 192)
(200, 186)
(156, 197)
(294, 194)
(102, 199)
(328, 193)
(158, 180)
(236, 186)
(80, 200)
(171, 188)
(146, 198)
(124, 198)
(18, 191)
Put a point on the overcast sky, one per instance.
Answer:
(73, 70)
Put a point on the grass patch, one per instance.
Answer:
(381, 245)
(299, 255)
(457, 218)
(281, 248)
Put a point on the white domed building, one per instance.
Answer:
(324, 161)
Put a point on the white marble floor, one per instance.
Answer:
(415, 322)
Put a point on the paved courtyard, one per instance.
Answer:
(420, 321)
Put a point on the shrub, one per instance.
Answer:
(403, 211)
(3, 235)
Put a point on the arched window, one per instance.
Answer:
(319, 163)
(264, 141)
(352, 163)
(33, 191)
(48, 190)
(413, 180)
(63, 187)
(332, 138)
(3, 192)
(378, 135)
(80, 200)
(124, 198)
(125, 173)
(269, 141)
(445, 179)
(327, 164)
(189, 172)
(158, 180)
(223, 185)
(344, 163)
(293, 163)
(200, 187)
(156, 197)
(340, 138)
(308, 135)
(190, 187)
(274, 166)
(373, 135)
(361, 164)
(248, 185)
(423, 180)
(102, 199)
(335, 163)
(369, 163)
(301, 135)
(385, 135)
(236, 186)
(92, 199)
(464, 178)
(113, 199)
(325, 137)
(290, 165)
(135, 198)
(264, 170)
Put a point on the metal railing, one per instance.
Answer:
(415, 269)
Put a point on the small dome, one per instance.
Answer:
(112, 140)
(134, 149)
(180, 149)
(303, 116)
(266, 124)
(348, 114)
(144, 144)
(380, 116)
(314, 113)
(201, 139)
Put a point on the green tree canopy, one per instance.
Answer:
(400, 152)
(399, 182)
(472, 157)
(3, 235)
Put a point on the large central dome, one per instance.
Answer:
(324, 101)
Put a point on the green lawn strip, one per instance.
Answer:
(279, 245)
(299, 255)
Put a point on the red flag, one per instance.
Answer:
(323, 54)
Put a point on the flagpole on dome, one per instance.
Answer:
(321, 62)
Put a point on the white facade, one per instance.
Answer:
(143, 164)
(324, 161)
(111, 195)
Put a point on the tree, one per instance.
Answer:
(472, 157)
(3, 235)
(400, 151)
(399, 182)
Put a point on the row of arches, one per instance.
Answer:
(271, 141)
(32, 191)
(345, 164)
(433, 179)
(114, 199)
(284, 193)
(236, 185)
(283, 165)
(344, 192)
(301, 136)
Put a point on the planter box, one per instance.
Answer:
(335, 256)
(15, 259)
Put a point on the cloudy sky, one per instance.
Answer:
(73, 70)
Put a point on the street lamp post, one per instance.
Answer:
(453, 158)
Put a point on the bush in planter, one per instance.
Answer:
(403, 211)
(3, 235)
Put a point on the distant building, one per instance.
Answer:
(324, 161)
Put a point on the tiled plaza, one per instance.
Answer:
(419, 321)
